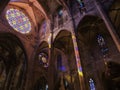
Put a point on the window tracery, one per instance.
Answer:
(102, 44)
(43, 59)
(18, 20)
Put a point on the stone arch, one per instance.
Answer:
(93, 56)
(65, 59)
(14, 58)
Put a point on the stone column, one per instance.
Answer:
(30, 63)
(78, 63)
(51, 68)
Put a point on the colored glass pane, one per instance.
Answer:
(102, 44)
(100, 40)
(92, 85)
(18, 20)
(60, 12)
(43, 60)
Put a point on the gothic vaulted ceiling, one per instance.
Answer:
(38, 10)
(33, 8)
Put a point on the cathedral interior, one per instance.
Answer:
(59, 45)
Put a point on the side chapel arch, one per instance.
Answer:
(14, 59)
(65, 59)
(96, 47)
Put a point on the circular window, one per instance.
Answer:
(43, 59)
(18, 20)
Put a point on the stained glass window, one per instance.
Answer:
(102, 44)
(92, 85)
(43, 59)
(100, 40)
(81, 3)
(60, 13)
(18, 20)
(81, 6)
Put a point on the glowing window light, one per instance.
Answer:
(46, 87)
(43, 59)
(92, 85)
(102, 44)
(100, 40)
(81, 3)
(60, 13)
(18, 20)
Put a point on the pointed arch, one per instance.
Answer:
(62, 38)
(15, 61)
(65, 59)
(96, 46)
(89, 26)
